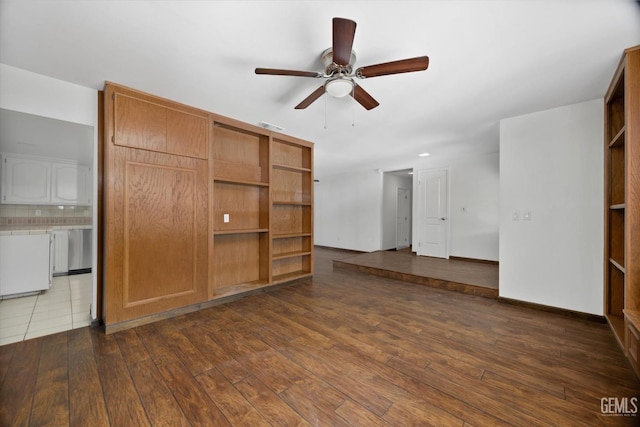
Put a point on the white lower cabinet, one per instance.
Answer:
(60, 256)
(25, 263)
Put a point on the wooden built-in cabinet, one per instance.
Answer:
(198, 207)
(240, 165)
(292, 201)
(622, 204)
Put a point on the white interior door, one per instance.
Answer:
(403, 219)
(433, 213)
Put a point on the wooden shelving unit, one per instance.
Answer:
(240, 214)
(622, 204)
(291, 208)
(200, 208)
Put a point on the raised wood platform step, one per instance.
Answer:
(469, 277)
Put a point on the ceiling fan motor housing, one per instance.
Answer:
(331, 68)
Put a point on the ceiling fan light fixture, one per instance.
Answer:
(339, 87)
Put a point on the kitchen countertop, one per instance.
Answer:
(6, 230)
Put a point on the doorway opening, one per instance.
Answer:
(48, 187)
(397, 207)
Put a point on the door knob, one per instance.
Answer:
(443, 219)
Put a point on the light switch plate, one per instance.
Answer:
(526, 216)
(515, 216)
(225, 218)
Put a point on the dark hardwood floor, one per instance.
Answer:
(344, 348)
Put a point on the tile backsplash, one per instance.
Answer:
(12, 215)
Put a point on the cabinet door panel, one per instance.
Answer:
(186, 134)
(157, 239)
(25, 181)
(65, 183)
(60, 251)
(70, 184)
(140, 124)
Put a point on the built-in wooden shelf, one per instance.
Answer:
(288, 235)
(240, 181)
(291, 168)
(622, 215)
(617, 265)
(252, 230)
(287, 203)
(291, 254)
(618, 139)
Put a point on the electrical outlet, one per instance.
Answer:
(225, 218)
(38, 212)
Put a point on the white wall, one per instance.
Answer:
(551, 164)
(348, 211)
(33, 93)
(474, 185)
(391, 183)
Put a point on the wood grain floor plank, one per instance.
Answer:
(156, 346)
(156, 397)
(193, 358)
(555, 410)
(230, 401)
(485, 407)
(120, 395)
(6, 354)
(132, 349)
(194, 401)
(51, 401)
(356, 415)
(274, 370)
(330, 372)
(316, 402)
(86, 401)
(270, 406)
(19, 386)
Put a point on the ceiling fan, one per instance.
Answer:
(338, 61)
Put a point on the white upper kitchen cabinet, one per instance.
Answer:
(70, 184)
(25, 180)
(42, 181)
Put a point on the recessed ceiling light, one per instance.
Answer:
(424, 154)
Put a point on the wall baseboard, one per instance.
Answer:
(556, 310)
(483, 261)
(339, 249)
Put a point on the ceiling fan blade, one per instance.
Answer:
(343, 32)
(309, 99)
(277, 72)
(394, 67)
(363, 97)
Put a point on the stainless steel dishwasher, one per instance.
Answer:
(80, 251)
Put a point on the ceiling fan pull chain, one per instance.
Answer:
(353, 108)
(325, 113)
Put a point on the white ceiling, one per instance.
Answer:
(489, 59)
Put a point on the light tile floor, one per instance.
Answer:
(65, 306)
